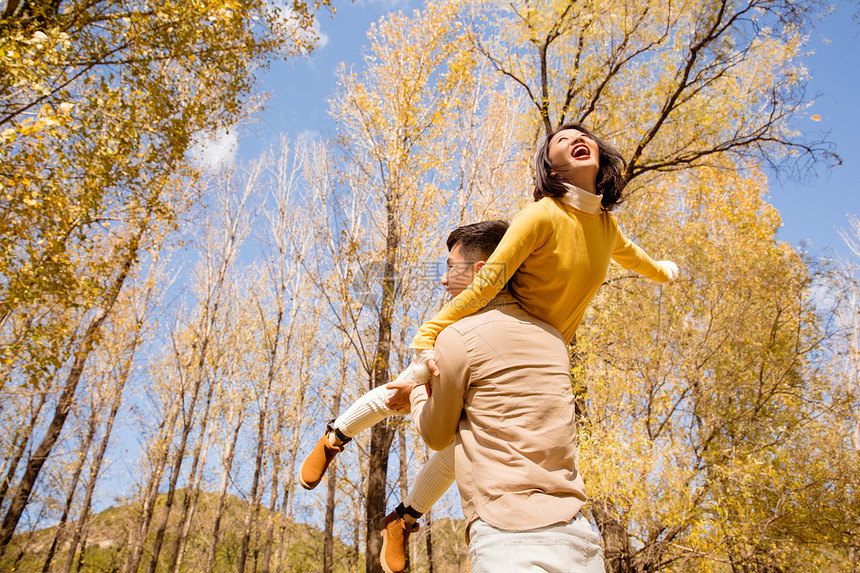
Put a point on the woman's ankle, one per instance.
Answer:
(335, 436)
(408, 514)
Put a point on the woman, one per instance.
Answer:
(554, 256)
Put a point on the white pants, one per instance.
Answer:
(572, 547)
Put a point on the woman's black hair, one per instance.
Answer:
(610, 176)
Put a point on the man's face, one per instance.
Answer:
(460, 272)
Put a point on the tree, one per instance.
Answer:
(846, 309)
(388, 118)
(714, 390)
(101, 100)
(127, 250)
(100, 103)
(122, 363)
(422, 128)
(699, 98)
(673, 85)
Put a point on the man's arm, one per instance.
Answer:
(437, 417)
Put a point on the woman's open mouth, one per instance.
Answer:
(581, 152)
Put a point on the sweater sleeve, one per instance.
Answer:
(631, 256)
(527, 232)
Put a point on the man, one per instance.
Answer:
(469, 246)
(504, 399)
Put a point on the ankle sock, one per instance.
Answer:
(337, 433)
(407, 510)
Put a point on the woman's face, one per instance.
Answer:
(576, 158)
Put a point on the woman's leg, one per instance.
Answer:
(432, 482)
(365, 412)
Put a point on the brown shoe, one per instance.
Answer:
(395, 542)
(314, 467)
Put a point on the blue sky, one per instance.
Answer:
(812, 208)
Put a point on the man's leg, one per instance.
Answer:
(573, 546)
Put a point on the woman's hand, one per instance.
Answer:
(434, 368)
(671, 270)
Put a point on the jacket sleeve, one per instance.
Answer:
(437, 417)
(527, 232)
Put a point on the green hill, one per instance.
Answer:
(301, 545)
(108, 534)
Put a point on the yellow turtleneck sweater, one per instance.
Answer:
(556, 252)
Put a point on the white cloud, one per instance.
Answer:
(309, 135)
(323, 37)
(287, 16)
(217, 151)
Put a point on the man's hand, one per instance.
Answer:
(399, 400)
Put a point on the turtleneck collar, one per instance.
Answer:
(581, 199)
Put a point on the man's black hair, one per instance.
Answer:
(478, 240)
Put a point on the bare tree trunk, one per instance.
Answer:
(287, 503)
(222, 494)
(254, 501)
(208, 321)
(186, 527)
(94, 471)
(360, 502)
(380, 443)
(192, 490)
(22, 438)
(328, 538)
(274, 514)
(83, 550)
(256, 552)
(428, 522)
(73, 486)
(150, 494)
(178, 457)
(64, 403)
(382, 434)
(274, 494)
(404, 466)
(404, 475)
(616, 543)
(331, 493)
